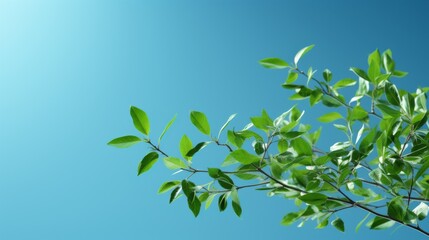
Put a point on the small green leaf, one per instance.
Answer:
(301, 146)
(197, 148)
(167, 186)
(226, 124)
(147, 162)
(358, 113)
(301, 53)
(392, 94)
(395, 209)
(236, 202)
(292, 77)
(313, 198)
(338, 224)
(344, 83)
(175, 193)
(243, 157)
(262, 122)
(399, 74)
(210, 200)
(140, 120)
(290, 218)
(222, 203)
(185, 147)
(200, 121)
(329, 117)
(385, 109)
(360, 73)
(361, 222)
(124, 142)
(174, 163)
(166, 128)
(273, 63)
(327, 75)
(388, 63)
(379, 223)
(330, 101)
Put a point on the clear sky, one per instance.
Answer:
(70, 70)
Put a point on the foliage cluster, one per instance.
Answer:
(381, 168)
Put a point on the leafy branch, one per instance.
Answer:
(381, 168)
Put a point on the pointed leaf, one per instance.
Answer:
(329, 117)
(200, 121)
(313, 198)
(174, 163)
(301, 53)
(185, 147)
(197, 148)
(166, 128)
(338, 224)
(148, 161)
(226, 124)
(140, 120)
(124, 142)
(167, 186)
(243, 157)
(273, 63)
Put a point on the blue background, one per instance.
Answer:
(69, 71)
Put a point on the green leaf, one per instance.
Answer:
(124, 142)
(399, 74)
(395, 209)
(273, 63)
(174, 163)
(200, 121)
(301, 146)
(175, 193)
(329, 117)
(167, 186)
(361, 222)
(338, 224)
(222, 203)
(292, 77)
(421, 211)
(379, 223)
(236, 202)
(344, 83)
(422, 170)
(327, 75)
(313, 198)
(392, 94)
(140, 120)
(301, 53)
(243, 157)
(262, 122)
(315, 96)
(148, 161)
(290, 218)
(210, 200)
(358, 113)
(386, 110)
(360, 73)
(226, 124)
(330, 101)
(374, 63)
(185, 146)
(166, 128)
(282, 145)
(197, 148)
(388, 63)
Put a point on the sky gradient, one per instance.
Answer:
(70, 70)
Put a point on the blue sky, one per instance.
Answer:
(70, 70)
